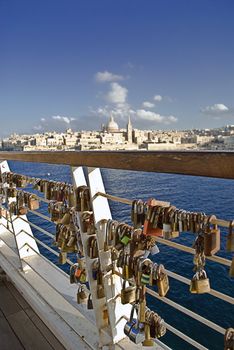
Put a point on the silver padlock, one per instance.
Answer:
(154, 250)
(132, 321)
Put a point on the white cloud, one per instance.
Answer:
(158, 98)
(172, 119)
(106, 76)
(63, 119)
(215, 109)
(43, 120)
(149, 115)
(117, 94)
(155, 117)
(148, 104)
(37, 127)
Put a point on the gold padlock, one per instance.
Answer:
(202, 283)
(62, 258)
(148, 340)
(128, 294)
(142, 307)
(229, 339)
(211, 238)
(162, 281)
(192, 287)
(230, 238)
(105, 317)
(231, 271)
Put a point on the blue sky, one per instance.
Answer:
(167, 63)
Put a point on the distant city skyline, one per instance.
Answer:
(167, 64)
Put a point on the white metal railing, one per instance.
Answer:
(151, 292)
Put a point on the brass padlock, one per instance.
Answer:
(229, 339)
(128, 294)
(148, 340)
(202, 283)
(231, 271)
(81, 295)
(211, 238)
(162, 281)
(105, 317)
(62, 258)
(33, 202)
(230, 238)
(192, 287)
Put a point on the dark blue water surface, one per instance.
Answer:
(212, 196)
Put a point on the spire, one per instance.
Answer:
(129, 121)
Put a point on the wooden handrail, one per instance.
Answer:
(203, 163)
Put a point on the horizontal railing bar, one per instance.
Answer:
(52, 264)
(38, 228)
(45, 217)
(186, 249)
(188, 312)
(182, 309)
(46, 246)
(219, 222)
(38, 241)
(185, 337)
(213, 292)
(219, 164)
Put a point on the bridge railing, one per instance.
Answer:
(85, 171)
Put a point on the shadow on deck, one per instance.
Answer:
(20, 327)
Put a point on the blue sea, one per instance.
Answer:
(212, 196)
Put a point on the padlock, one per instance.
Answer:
(90, 302)
(231, 271)
(167, 230)
(95, 268)
(100, 291)
(145, 267)
(136, 334)
(132, 329)
(81, 295)
(62, 258)
(33, 202)
(192, 287)
(154, 250)
(128, 294)
(211, 238)
(83, 276)
(105, 316)
(148, 340)
(72, 274)
(142, 307)
(202, 283)
(162, 281)
(230, 238)
(229, 339)
(160, 328)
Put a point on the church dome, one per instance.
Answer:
(112, 126)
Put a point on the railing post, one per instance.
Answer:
(112, 283)
(98, 304)
(18, 228)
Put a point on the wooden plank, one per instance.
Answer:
(17, 295)
(27, 332)
(203, 163)
(34, 317)
(8, 304)
(8, 339)
(51, 339)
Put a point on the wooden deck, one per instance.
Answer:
(20, 327)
